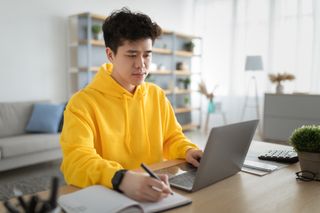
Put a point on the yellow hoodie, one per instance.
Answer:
(106, 128)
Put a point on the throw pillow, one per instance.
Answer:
(45, 118)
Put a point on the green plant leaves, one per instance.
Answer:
(306, 139)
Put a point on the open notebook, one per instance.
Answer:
(99, 199)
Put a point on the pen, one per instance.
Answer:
(153, 175)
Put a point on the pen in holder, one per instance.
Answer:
(35, 204)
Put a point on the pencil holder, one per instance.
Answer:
(35, 204)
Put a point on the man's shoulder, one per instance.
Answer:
(153, 88)
(81, 99)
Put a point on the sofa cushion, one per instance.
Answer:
(45, 118)
(28, 143)
(14, 117)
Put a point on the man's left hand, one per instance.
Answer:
(193, 156)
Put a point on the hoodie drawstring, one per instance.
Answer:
(145, 123)
(127, 133)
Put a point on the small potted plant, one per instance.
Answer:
(186, 82)
(306, 141)
(96, 30)
(186, 101)
(189, 46)
(278, 78)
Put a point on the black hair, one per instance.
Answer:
(124, 25)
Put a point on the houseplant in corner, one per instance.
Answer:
(306, 141)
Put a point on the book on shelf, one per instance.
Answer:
(100, 199)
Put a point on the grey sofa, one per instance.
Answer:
(18, 148)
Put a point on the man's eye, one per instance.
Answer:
(131, 56)
(147, 55)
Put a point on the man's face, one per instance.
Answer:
(131, 63)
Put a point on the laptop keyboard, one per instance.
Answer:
(185, 179)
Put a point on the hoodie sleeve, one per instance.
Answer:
(175, 142)
(81, 165)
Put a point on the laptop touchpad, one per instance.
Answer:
(177, 170)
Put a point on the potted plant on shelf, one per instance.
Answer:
(189, 46)
(306, 141)
(186, 101)
(96, 30)
(278, 78)
(186, 82)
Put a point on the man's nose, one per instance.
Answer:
(140, 63)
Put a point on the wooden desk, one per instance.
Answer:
(275, 192)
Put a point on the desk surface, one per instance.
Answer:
(275, 192)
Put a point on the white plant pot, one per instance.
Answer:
(310, 161)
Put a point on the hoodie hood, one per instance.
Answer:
(104, 83)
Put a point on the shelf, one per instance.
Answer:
(184, 53)
(176, 72)
(93, 16)
(182, 72)
(185, 72)
(182, 91)
(83, 69)
(185, 36)
(185, 109)
(162, 51)
(189, 127)
(179, 91)
(167, 32)
(167, 91)
(99, 43)
(161, 72)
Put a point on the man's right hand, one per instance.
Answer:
(142, 187)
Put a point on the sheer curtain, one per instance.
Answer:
(286, 33)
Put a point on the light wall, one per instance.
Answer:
(33, 43)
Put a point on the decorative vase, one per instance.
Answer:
(279, 88)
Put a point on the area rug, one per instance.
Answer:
(30, 179)
(28, 186)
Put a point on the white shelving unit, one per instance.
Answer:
(85, 53)
(168, 50)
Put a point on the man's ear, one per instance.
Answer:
(110, 54)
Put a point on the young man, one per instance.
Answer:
(118, 121)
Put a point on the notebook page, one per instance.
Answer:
(169, 202)
(97, 198)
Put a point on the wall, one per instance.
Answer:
(33, 44)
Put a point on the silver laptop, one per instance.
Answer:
(224, 154)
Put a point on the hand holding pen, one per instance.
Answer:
(145, 188)
(153, 175)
